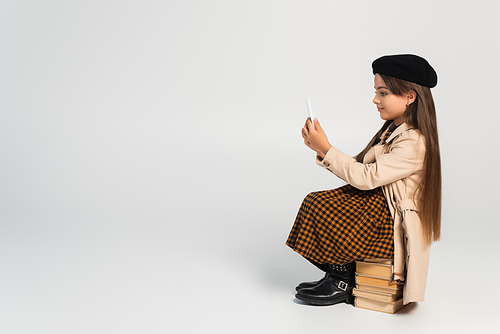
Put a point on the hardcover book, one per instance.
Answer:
(374, 269)
(377, 281)
(377, 305)
(386, 297)
(380, 289)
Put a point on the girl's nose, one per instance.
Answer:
(376, 100)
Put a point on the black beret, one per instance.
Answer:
(407, 67)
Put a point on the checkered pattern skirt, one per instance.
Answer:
(343, 225)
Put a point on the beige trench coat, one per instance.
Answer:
(397, 167)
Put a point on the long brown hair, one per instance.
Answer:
(421, 116)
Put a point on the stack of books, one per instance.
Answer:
(375, 290)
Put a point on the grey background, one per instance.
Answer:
(152, 163)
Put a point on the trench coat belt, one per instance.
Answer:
(406, 204)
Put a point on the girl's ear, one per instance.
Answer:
(411, 97)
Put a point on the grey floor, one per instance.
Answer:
(258, 297)
(141, 279)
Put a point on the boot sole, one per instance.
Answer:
(326, 301)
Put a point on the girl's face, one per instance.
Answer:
(390, 106)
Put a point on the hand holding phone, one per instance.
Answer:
(309, 112)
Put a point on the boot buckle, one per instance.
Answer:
(342, 286)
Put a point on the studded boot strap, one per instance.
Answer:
(346, 267)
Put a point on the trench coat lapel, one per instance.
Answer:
(399, 130)
(379, 149)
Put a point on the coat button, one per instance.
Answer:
(326, 164)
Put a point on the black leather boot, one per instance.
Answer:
(305, 285)
(336, 287)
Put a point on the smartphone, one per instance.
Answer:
(309, 111)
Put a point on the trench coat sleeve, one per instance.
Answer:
(403, 159)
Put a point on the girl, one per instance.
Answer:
(391, 206)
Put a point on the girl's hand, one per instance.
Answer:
(315, 138)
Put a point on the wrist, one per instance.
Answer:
(325, 150)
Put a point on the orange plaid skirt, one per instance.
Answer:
(343, 225)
